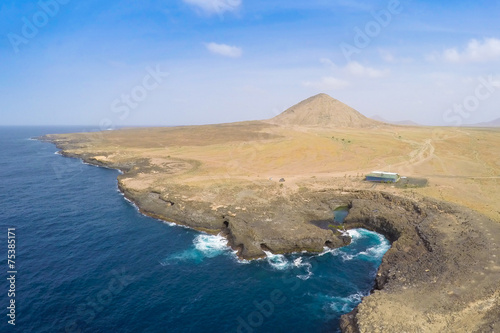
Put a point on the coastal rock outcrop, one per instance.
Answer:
(442, 271)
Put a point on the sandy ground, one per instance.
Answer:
(462, 165)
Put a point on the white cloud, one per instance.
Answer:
(476, 51)
(355, 68)
(389, 57)
(215, 6)
(328, 83)
(224, 50)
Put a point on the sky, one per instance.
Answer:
(109, 64)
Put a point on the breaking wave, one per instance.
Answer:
(378, 246)
(344, 304)
(204, 246)
(211, 246)
(307, 265)
(277, 261)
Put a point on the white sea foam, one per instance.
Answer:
(347, 257)
(211, 246)
(377, 251)
(299, 264)
(170, 224)
(374, 252)
(277, 261)
(345, 304)
(204, 246)
(327, 250)
(130, 202)
(239, 260)
(355, 234)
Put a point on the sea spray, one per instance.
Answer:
(211, 246)
(300, 264)
(345, 304)
(277, 261)
(204, 246)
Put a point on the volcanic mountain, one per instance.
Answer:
(323, 111)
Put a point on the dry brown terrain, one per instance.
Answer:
(227, 178)
(461, 164)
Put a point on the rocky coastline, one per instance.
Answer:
(441, 274)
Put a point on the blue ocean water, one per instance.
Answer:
(87, 261)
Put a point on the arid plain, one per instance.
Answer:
(462, 165)
(263, 182)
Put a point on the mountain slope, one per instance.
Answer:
(325, 111)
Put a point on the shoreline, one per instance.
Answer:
(437, 248)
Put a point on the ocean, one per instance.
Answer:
(88, 261)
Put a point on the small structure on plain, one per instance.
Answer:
(383, 177)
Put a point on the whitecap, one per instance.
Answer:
(130, 201)
(210, 245)
(345, 304)
(376, 252)
(327, 250)
(277, 261)
(300, 264)
(204, 246)
(171, 224)
(347, 257)
(239, 260)
(355, 234)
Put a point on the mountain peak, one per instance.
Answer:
(322, 110)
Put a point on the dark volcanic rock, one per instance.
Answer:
(441, 274)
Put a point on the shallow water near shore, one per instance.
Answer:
(88, 261)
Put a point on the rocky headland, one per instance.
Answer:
(442, 272)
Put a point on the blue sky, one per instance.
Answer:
(120, 63)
